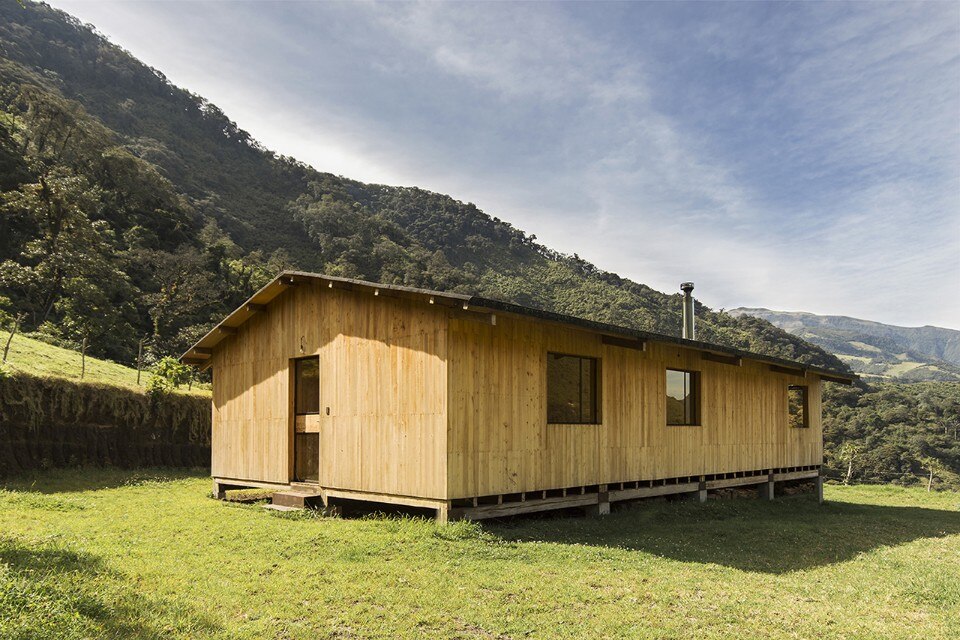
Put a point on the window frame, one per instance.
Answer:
(804, 406)
(595, 391)
(696, 419)
(296, 386)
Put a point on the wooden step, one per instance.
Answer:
(305, 487)
(298, 499)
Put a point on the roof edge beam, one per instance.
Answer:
(800, 373)
(838, 380)
(735, 361)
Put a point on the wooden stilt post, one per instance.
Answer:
(443, 514)
(602, 508)
(819, 489)
(767, 489)
(702, 491)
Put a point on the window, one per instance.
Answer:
(571, 389)
(306, 386)
(797, 416)
(683, 397)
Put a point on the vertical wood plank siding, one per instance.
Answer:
(499, 441)
(382, 375)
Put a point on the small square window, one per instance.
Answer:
(798, 410)
(572, 389)
(683, 397)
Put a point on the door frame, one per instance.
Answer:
(312, 420)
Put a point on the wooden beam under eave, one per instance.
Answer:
(734, 361)
(193, 361)
(846, 381)
(626, 343)
(227, 331)
(475, 316)
(800, 373)
(202, 351)
(254, 308)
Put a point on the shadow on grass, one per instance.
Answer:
(94, 478)
(789, 534)
(54, 591)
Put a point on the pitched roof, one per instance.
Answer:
(199, 352)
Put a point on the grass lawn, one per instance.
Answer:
(41, 359)
(113, 554)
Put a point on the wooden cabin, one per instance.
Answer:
(330, 389)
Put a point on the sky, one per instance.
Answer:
(794, 156)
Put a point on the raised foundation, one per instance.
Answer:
(594, 500)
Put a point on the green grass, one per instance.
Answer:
(111, 554)
(41, 359)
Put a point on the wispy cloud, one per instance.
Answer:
(800, 156)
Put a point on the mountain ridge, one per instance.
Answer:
(874, 348)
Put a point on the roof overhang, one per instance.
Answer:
(485, 308)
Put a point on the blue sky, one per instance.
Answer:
(798, 156)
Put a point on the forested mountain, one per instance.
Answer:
(874, 349)
(134, 208)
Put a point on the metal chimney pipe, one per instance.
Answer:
(689, 330)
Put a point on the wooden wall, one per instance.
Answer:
(382, 376)
(499, 441)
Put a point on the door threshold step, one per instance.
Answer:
(305, 487)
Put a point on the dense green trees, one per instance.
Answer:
(892, 432)
(96, 243)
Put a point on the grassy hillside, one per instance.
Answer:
(41, 359)
(90, 555)
(873, 349)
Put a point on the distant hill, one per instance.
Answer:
(873, 348)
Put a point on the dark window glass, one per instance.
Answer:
(571, 389)
(797, 407)
(307, 386)
(683, 397)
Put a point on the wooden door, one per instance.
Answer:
(306, 426)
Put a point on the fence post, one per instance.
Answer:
(139, 360)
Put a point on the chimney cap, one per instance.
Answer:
(686, 287)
